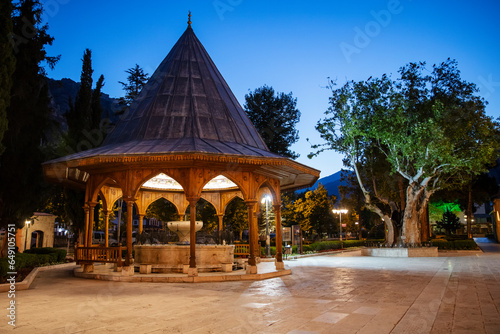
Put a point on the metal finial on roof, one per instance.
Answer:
(189, 21)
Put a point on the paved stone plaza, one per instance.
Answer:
(458, 292)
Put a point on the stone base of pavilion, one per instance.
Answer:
(401, 252)
(106, 272)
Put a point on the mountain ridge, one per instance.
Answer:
(330, 182)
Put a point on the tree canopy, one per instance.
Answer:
(275, 116)
(136, 80)
(429, 126)
(236, 217)
(312, 211)
(28, 114)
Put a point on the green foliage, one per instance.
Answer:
(444, 244)
(322, 246)
(429, 125)
(95, 105)
(136, 80)
(313, 212)
(83, 118)
(205, 212)
(162, 210)
(450, 222)
(275, 116)
(236, 217)
(36, 257)
(56, 254)
(261, 218)
(28, 117)
(437, 209)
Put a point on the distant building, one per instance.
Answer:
(39, 232)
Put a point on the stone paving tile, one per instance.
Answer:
(457, 293)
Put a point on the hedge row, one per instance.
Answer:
(58, 255)
(332, 245)
(35, 257)
(468, 244)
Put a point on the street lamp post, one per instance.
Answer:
(340, 212)
(27, 223)
(268, 237)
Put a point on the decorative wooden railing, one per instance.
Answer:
(98, 254)
(241, 249)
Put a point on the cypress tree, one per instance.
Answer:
(83, 118)
(95, 105)
(28, 116)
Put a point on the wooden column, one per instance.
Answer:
(252, 222)
(91, 206)
(192, 270)
(192, 232)
(86, 210)
(130, 217)
(106, 228)
(279, 237)
(221, 217)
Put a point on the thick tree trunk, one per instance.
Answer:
(411, 218)
(425, 223)
(389, 231)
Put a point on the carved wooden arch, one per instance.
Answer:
(204, 198)
(228, 197)
(95, 184)
(100, 195)
(231, 176)
(274, 188)
(142, 176)
(214, 198)
(196, 180)
(245, 182)
(147, 198)
(111, 194)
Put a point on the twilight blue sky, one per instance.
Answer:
(291, 45)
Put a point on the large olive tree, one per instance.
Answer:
(429, 125)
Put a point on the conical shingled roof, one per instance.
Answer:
(187, 106)
(185, 112)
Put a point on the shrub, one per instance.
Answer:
(56, 254)
(468, 244)
(353, 243)
(35, 257)
(465, 244)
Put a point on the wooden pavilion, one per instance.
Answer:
(185, 137)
